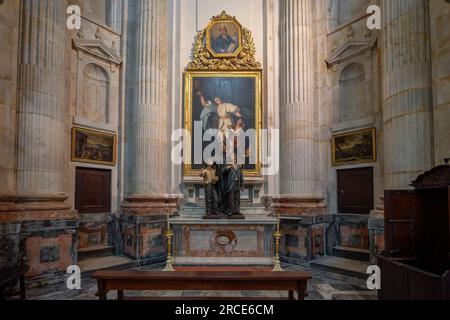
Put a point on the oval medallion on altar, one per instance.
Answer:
(223, 242)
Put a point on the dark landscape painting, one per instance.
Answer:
(354, 147)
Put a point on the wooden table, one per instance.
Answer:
(12, 274)
(202, 280)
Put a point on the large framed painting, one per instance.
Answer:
(93, 146)
(216, 100)
(224, 37)
(354, 147)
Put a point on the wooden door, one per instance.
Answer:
(93, 190)
(401, 222)
(355, 191)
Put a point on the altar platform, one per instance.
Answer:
(223, 242)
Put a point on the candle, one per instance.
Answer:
(278, 222)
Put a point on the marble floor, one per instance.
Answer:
(323, 286)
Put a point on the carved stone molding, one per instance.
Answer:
(21, 202)
(352, 48)
(151, 204)
(98, 49)
(293, 205)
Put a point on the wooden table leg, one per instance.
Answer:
(101, 290)
(302, 290)
(291, 295)
(120, 295)
(22, 287)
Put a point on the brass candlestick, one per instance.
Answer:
(169, 235)
(277, 235)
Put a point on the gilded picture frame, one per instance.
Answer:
(224, 37)
(354, 147)
(243, 88)
(93, 146)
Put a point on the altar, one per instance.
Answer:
(224, 242)
(223, 101)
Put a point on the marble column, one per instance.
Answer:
(299, 172)
(8, 99)
(407, 109)
(149, 155)
(42, 140)
(440, 50)
(40, 227)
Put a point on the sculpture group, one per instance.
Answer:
(223, 186)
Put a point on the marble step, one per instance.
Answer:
(89, 266)
(348, 267)
(95, 252)
(243, 210)
(351, 253)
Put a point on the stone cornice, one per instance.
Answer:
(352, 48)
(98, 49)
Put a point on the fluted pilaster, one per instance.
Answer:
(116, 12)
(41, 141)
(151, 101)
(406, 91)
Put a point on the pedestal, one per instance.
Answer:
(223, 242)
(41, 231)
(144, 220)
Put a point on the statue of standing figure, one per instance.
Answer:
(210, 180)
(234, 186)
(223, 186)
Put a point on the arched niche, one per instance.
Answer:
(95, 94)
(353, 101)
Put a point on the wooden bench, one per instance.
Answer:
(202, 280)
(8, 275)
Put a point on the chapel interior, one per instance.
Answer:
(356, 121)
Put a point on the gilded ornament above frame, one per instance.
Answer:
(240, 57)
(227, 71)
